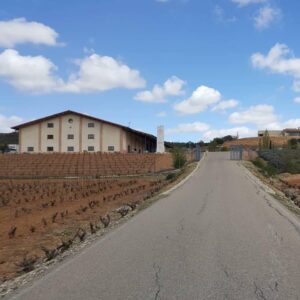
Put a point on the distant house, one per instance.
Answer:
(71, 131)
(289, 132)
(271, 132)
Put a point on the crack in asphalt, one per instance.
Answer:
(204, 204)
(259, 292)
(226, 271)
(275, 288)
(157, 280)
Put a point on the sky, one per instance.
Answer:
(200, 68)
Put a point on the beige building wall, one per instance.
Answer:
(45, 131)
(105, 137)
(95, 131)
(111, 138)
(70, 126)
(29, 137)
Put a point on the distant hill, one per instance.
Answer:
(9, 138)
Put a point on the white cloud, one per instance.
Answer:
(30, 73)
(19, 31)
(226, 104)
(242, 3)
(241, 131)
(266, 16)
(281, 60)
(297, 100)
(101, 73)
(161, 114)
(292, 123)
(260, 115)
(172, 87)
(278, 60)
(201, 98)
(7, 122)
(96, 73)
(188, 128)
(264, 117)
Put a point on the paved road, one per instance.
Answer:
(218, 236)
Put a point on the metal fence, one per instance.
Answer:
(236, 152)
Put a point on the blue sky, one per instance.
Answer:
(200, 68)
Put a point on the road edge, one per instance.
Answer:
(273, 201)
(179, 184)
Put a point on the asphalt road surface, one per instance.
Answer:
(218, 236)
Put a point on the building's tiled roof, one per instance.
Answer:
(291, 130)
(67, 112)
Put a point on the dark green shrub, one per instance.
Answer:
(171, 176)
(258, 162)
(179, 159)
(270, 170)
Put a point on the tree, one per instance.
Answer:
(266, 141)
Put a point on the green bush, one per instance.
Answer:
(270, 170)
(258, 162)
(285, 160)
(294, 144)
(171, 176)
(179, 158)
(267, 168)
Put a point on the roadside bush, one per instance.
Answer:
(171, 176)
(258, 162)
(270, 170)
(284, 161)
(179, 159)
(294, 143)
(224, 149)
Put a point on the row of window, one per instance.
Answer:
(70, 136)
(89, 125)
(71, 149)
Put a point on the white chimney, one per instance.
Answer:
(160, 148)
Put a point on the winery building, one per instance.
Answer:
(70, 131)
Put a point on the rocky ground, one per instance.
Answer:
(287, 184)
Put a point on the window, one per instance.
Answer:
(70, 121)
(50, 125)
(30, 149)
(70, 136)
(70, 148)
(111, 148)
(50, 136)
(50, 149)
(91, 148)
(91, 125)
(91, 136)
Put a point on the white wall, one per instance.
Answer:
(89, 130)
(70, 128)
(45, 131)
(111, 137)
(29, 138)
(115, 136)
